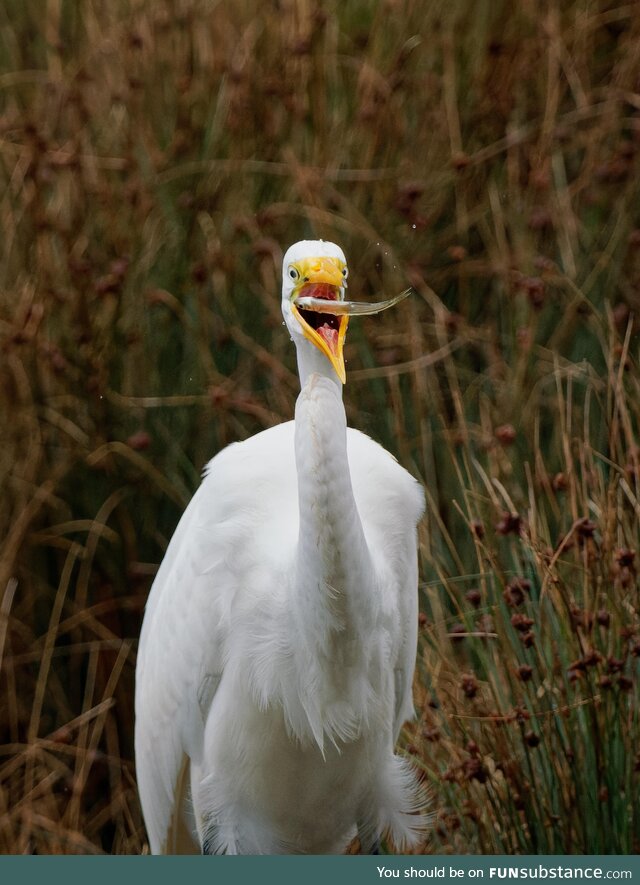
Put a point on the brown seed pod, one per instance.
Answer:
(624, 557)
(586, 528)
(559, 483)
(509, 524)
(614, 665)
(457, 633)
(469, 685)
(525, 672)
(478, 529)
(521, 622)
(515, 590)
(474, 597)
(505, 434)
(592, 658)
(474, 769)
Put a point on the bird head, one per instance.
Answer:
(314, 280)
(316, 269)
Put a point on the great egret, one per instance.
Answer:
(279, 640)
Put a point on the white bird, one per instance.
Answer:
(279, 641)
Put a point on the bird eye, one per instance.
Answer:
(293, 273)
(345, 273)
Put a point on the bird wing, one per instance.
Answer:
(391, 503)
(238, 519)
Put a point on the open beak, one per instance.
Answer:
(319, 306)
(321, 281)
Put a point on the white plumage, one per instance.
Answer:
(278, 645)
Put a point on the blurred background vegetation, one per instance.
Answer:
(155, 160)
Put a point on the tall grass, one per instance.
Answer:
(530, 663)
(155, 158)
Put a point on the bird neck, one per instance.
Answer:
(334, 570)
(312, 362)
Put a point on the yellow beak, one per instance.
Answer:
(320, 270)
(322, 278)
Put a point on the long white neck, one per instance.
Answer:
(334, 601)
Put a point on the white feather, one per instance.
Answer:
(279, 642)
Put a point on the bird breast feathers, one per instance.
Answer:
(264, 504)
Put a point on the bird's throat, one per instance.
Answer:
(333, 557)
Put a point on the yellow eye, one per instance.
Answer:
(293, 273)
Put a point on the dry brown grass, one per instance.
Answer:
(155, 158)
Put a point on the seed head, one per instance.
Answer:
(469, 685)
(515, 590)
(525, 672)
(474, 597)
(510, 524)
(521, 622)
(505, 434)
(528, 638)
(559, 482)
(478, 529)
(474, 769)
(624, 557)
(457, 633)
